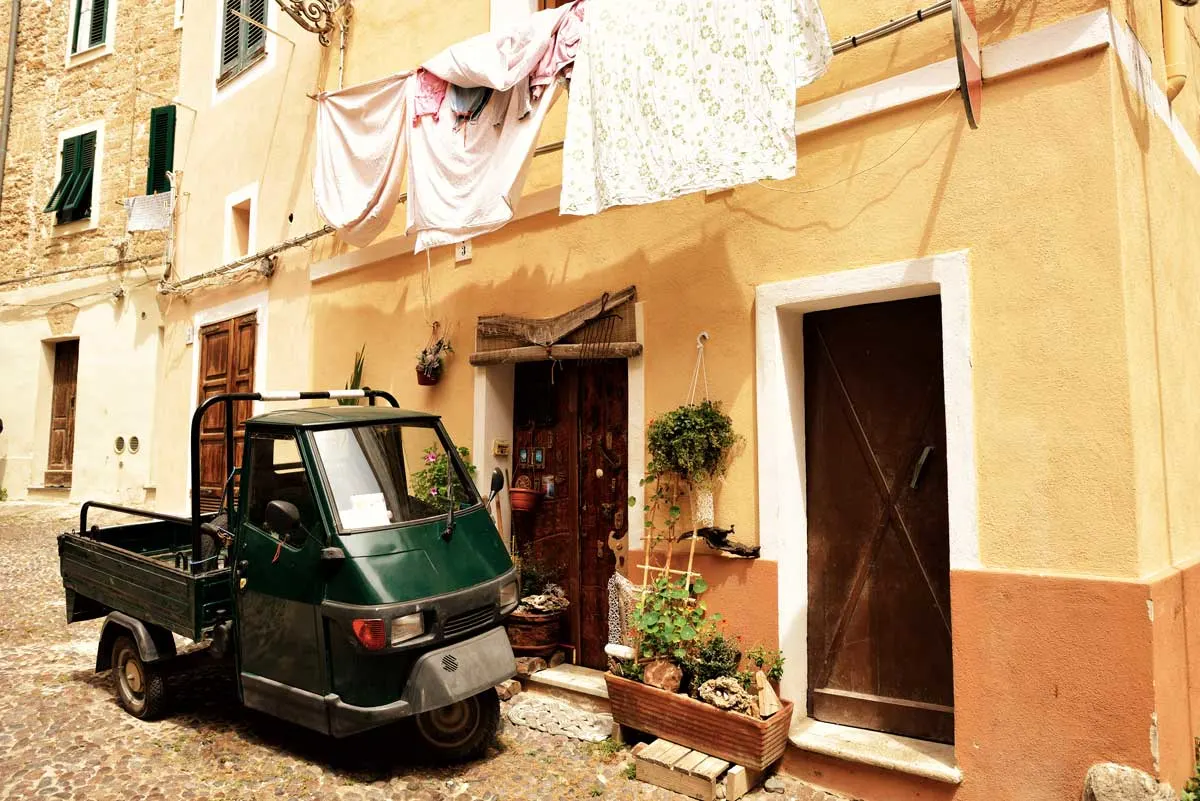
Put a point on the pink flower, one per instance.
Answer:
(433, 491)
(430, 458)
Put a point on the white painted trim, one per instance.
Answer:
(782, 505)
(250, 193)
(243, 79)
(635, 433)
(179, 7)
(107, 47)
(258, 303)
(91, 222)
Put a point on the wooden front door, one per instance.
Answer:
(62, 414)
(603, 495)
(570, 426)
(878, 535)
(226, 365)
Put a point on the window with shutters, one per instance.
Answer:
(243, 43)
(162, 149)
(89, 24)
(71, 199)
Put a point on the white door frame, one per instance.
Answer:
(782, 504)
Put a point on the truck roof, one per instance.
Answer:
(335, 415)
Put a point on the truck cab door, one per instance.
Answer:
(278, 583)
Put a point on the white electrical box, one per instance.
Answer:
(189, 334)
(462, 252)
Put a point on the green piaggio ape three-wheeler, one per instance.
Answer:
(355, 578)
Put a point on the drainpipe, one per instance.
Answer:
(6, 114)
(1175, 47)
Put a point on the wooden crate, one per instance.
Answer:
(739, 739)
(693, 773)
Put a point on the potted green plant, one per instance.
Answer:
(431, 483)
(355, 381)
(693, 442)
(535, 626)
(432, 360)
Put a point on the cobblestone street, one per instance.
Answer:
(62, 734)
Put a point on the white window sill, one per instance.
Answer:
(89, 55)
(76, 227)
(889, 751)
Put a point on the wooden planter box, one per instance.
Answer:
(756, 744)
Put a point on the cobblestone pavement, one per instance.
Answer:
(63, 736)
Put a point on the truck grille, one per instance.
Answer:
(460, 624)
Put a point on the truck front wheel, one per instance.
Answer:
(141, 688)
(461, 731)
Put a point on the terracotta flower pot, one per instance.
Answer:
(743, 740)
(534, 633)
(523, 500)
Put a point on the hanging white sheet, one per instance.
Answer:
(670, 97)
(359, 172)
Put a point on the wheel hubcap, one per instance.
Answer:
(133, 676)
(451, 725)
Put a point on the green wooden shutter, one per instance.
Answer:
(75, 25)
(99, 22)
(70, 149)
(231, 39)
(256, 37)
(77, 201)
(162, 149)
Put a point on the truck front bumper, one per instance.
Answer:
(439, 678)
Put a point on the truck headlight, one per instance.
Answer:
(508, 595)
(407, 627)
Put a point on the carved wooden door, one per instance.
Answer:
(878, 546)
(604, 494)
(62, 414)
(226, 365)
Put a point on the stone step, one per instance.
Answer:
(579, 685)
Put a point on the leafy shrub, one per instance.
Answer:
(768, 661)
(670, 619)
(431, 483)
(535, 574)
(716, 656)
(693, 442)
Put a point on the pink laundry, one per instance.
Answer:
(427, 98)
(560, 57)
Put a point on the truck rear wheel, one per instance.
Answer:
(141, 688)
(461, 731)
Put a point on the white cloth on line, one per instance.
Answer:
(148, 212)
(465, 183)
(499, 59)
(359, 173)
(670, 97)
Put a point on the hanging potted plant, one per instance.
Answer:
(534, 627)
(694, 442)
(522, 497)
(432, 358)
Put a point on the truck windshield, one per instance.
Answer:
(383, 475)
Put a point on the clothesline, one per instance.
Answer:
(849, 43)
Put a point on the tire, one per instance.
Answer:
(141, 688)
(462, 731)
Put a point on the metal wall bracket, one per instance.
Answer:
(317, 16)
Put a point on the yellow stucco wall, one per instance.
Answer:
(1065, 427)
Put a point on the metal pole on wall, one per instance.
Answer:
(6, 115)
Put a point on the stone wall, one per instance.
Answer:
(49, 97)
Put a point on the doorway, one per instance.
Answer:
(227, 351)
(62, 414)
(879, 644)
(570, 432)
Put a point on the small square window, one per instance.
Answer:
(89, 27)
(239, 229)
(71, 199)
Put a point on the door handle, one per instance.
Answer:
(920, 466)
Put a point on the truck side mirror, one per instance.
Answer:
(497, 483)
(282, 518)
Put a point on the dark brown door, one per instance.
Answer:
(878, 545)
(604, 493)
(570, 425)
(62, 414)
(226, 365)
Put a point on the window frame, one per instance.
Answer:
(247, 488)
(464, 475)
(246, 60)
(91, 221)
(74, 56)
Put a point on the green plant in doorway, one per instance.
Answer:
(670, 619)
(431, 484)
(355, 381)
